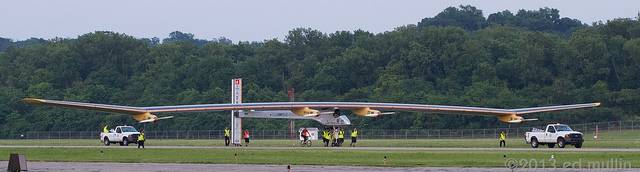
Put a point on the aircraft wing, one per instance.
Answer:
(326, 105)
(359, 105)
(88, 106)
(313, 108)
(553, 108)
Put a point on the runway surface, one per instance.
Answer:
(570, 149)
(157, 167)
(161, 167)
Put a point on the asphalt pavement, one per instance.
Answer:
(171, 167)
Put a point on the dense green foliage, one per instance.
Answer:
(457, 57)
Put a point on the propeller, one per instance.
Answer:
(155, 119)
(522, 120)
(326, 113)
(378, 114)
(312, 115)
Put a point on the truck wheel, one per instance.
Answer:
(106, 141)
(125, 142)
(578, 145)
(534, 143)
(551, 145)
(561, 143)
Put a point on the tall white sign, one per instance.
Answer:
(236, 121)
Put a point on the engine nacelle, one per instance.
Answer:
(144, 116)
(305, 111)
(513, 119)
(367, 112)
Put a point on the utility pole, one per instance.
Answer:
(292, 124)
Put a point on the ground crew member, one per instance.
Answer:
(246, 138)
(340, 137)
(325, 137)
(141, 139)
(227, 134)
(502, 139)
(354, 137)
(105, 129)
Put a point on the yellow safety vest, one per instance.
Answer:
(226, 133)
(341, 134)
(502, 136)
(325, 134)
(141, 137)
(354, 134)
(105, 129)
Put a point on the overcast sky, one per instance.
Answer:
(243, 20)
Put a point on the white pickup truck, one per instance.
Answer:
(555, 134)
(121, 134)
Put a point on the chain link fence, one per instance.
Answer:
(614, 129)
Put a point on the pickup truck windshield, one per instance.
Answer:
(563, 128)
(128, 129)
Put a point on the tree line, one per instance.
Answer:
(458, 57)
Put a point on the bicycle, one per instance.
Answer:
(305, 143)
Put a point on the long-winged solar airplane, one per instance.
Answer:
(312, 109)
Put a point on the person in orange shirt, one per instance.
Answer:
(245, 135)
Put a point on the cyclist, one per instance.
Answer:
(305, 137)
(304, 134)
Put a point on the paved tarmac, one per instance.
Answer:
(162, 167)
(166, 167)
